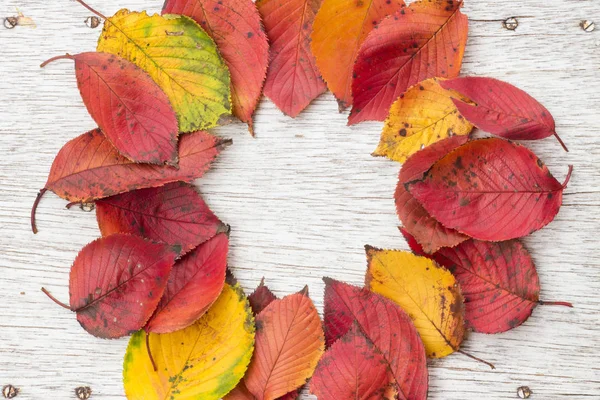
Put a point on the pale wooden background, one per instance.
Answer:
(303, 198)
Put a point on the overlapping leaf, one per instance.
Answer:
(389, 329)
(132, 111)
(351, 369)
(261, 298)
(502, 109)
(289, 343)
(116, 283)
(174, 214)
(181, 58)
(490, 189)
(203, 361)
(293, 80)
(339, 29)
(427, 292)
(425, 40)
(194, 284)
(424, 115)
(88, 167)
(236, 28)
(430, 234)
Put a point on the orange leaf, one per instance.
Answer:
(418, 42)
(289, 344)
(340, 28)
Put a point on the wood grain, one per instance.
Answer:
(303, 198)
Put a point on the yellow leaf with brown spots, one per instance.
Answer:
(426, 291)
(203, 361)
(425, 114)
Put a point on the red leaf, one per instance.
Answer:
(89, 168)
(116, 283)
(293, 79)
(498, 280)
(425, 40)
(236, 28)
(173, 214)
(261, 298)
(427, 230)
(194, 284)
(351, 369)
(502, 109)
(130, 108)
(386, 326)
(490, 189)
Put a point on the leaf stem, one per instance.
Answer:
(561, 142)
(564, 185)
(34, 208)
(149, 352)
(91, 9)
(555, 303)
(54, 299)
(476, 358)
(65, 57)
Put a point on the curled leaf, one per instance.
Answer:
(425, 40)
(427, 292)
(203, 361)
(174, 214)
(130, 109)
(490, 189)
(424, 115)
(181, 58)
(194, 284)
(236, 28)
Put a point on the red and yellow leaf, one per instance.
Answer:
(426, 291)
(89, 168)
(339, 29)
(289, 344)
(293, 80)
(425, 40)
(502, 109)
(116, 283)
(194, 284)
(389, 329)
(351, 369)
(173, 214)
(430, 234)
(128, 106)
(490, 189)
(236, 28)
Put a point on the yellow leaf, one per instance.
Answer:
(425, 114)
(427, 292)
(181, 58)
(203, 361)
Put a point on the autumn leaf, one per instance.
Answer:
(490, 189)
(289, 343)
(116, 283)
(425, 40)
(261, 298)
(89, 168)
(181, 58)
(351, 369)
(498, 280)
(293, 80)
(502, 109)
(194, 284)
(385, 324)
(130, 109)
(174, 214)
(427, 292)
(430, 234)
(203, 361)
(339, 29)
(424, 115)
(236, 27)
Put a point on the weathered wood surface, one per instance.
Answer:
(303, 198)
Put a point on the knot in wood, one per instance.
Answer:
(510, 24)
